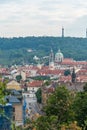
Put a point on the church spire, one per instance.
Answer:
(51, 56)
(51, 60)
(73, 75)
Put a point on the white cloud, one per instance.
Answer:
(40, 17)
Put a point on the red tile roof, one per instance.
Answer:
(67, 61)
(65, 79)
(81, 78)
(51, 72)
(35, 83)
(50, 90)
(82, 72)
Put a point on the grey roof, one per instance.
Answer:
(12, 99)
(15, 92)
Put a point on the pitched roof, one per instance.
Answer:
(12, 99)
(35, 83)
(13, 85)
(65, 79)
(51, 72)
(82, 78)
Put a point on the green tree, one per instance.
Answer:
(80, 108)
(59, 105)
(42, 123)
(46, 123)
(3, 92)
(71, 126)
(85, 87)
(39, 95)
(67, 72)
(48, 82)
(18, 78)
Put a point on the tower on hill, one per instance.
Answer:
(62, 32)
(86, 32)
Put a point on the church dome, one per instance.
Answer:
(59, 56)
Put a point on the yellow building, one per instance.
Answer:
(13, 85)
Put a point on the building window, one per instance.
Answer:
(13, 109)
(14, 118)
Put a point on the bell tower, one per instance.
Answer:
(51, 60)
(73, 75)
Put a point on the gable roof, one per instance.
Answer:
(12, 99)
(13, 85)
(35, 83)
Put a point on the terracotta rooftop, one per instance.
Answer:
(65, 79)
(48, 72)
(82, 78)
(82, 72)
(35, 83)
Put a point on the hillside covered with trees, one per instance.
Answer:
(23, 49)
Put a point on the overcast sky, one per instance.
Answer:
(43, 17)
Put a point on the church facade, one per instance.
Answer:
(58, 61)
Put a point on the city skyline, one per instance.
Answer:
(43, 18)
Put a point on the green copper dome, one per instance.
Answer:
(58, 56)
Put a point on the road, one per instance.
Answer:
(32, 107)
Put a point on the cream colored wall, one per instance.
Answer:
(13, 85)
(18, 113)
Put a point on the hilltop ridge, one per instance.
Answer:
(15, 50)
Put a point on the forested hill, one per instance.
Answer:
(17, 50)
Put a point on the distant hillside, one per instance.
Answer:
(22, 50)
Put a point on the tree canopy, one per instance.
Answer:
(3, 92)
(58, 104)
(39, 95)
(16, 50)
(64, 111)
(80, 109)
(67, 72)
